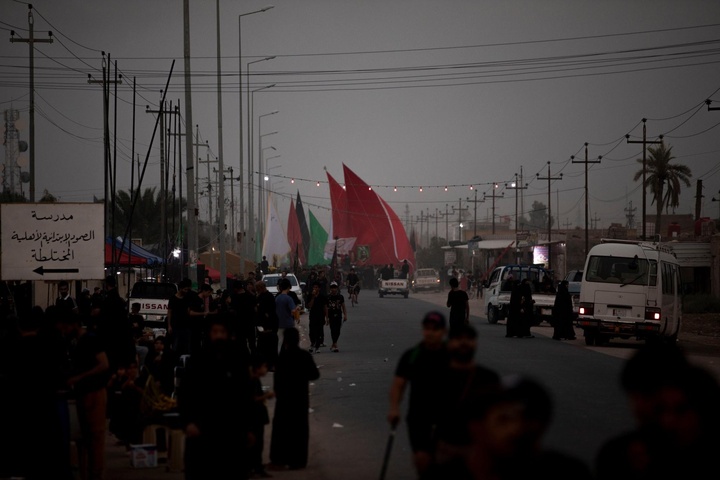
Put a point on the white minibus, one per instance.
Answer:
(630, 289)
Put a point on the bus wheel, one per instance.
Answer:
(589, 339)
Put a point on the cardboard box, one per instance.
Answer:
(143, 455)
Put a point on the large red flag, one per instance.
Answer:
(376, 226)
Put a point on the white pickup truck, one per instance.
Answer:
(426, 279)
(394, 286)
(497, 289)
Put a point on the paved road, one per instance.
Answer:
(349, 401)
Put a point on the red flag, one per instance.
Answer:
(294, 234)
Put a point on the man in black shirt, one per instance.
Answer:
(422, 368)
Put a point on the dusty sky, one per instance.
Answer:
(407, 93)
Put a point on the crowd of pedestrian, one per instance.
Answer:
(92, 360)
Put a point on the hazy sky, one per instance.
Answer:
(407, 93)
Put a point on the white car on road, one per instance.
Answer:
(271, 281)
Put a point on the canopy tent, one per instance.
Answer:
(131, 255)
(214, 275)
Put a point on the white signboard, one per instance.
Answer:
(52, 241)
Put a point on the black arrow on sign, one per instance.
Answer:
(42, 270)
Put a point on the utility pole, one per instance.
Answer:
(197, 155)
(420, 220)
(163, 177)
(595, 220)
(460, 210)
(446, 215)
(207, 162)
(586, 162)
(190, 183)
(493, 196)
(31, 40)
(516, 186)
(698, 199)
(232, 199)
(221, 166)
(549, 178)
(105, 82)
(475, 202)
(630, 215)
(179, 134)
(644, 142)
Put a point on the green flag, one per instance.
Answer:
(318, 239)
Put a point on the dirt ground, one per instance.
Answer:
(702, 324)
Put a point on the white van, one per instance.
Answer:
(630, 289)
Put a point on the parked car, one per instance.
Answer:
(574, 279)
(271, 281)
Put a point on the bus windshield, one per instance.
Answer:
(621, 270)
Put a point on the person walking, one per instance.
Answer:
(290, 425)
(353, 283)
(563, 314)
(513, 328)
(459, 304)
(336, 313)
(113, 327)
(421, 369)
(91, 371)
(259, 417)
(267, 322)
(242, 307)
(214, 407)
(178, 320)
(285, 306)
(527, 309)
(464, 376)
(507, 427)
(201, 309)
(317, 307)
(674, 406)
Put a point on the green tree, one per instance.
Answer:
(663, 179)
(146, 219)
(48, 197)
(432, 256)
(538, 217)
(10, 197)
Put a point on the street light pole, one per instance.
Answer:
(221, 166)
(251, 160)
(243, 225)
(260, 166)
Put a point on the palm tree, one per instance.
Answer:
(146, 216)
(660, 172)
